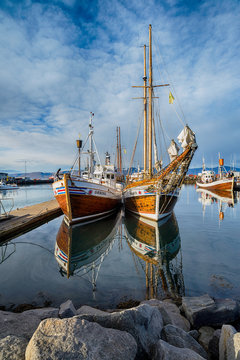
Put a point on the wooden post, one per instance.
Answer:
(69, 208)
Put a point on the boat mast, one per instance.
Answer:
(91, 153)
(145, 115)
(150, 105)
(118, 162)
(120, 151)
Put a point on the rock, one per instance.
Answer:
(179, 338)
(21, 325)
(165, 351)
(204, 311)
(144, 323)
(206, 333)
(229, 344)
(13, 348)
(43, 313)
(213, 346)
(67, 310)
(170, 313)
(194, 333)
(73, 338)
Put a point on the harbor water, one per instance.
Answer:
(192, 252)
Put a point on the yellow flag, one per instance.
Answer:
(171, 98)
(125, 151)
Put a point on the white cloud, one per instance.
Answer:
(55, 68)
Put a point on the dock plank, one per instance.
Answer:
(26, 218)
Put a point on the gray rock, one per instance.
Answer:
(67, 310)
(206, 333)
(13, 348)
(143, 322)
(194, 334)
(204, 311)
(22, 325)
(229, 344)
(213, 346)
(165, 351)
(170, 313)
(179, 338)
(73, 338)
(43, 313)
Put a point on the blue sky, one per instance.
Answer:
(60, 60)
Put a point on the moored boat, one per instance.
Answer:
(222, 182)
(4, 186)
(154, 193)
(89, 194)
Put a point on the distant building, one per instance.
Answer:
(3, 176)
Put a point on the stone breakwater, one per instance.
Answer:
(200, 328)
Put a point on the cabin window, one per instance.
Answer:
(112, 176)
(108, 176)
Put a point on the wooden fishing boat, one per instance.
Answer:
(222, 182)
(155, 245)
(155, 193)
(81, 248)
(92, 193)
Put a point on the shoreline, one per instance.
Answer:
(184, 328)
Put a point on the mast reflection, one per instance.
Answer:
(155, 246)
(80, 249)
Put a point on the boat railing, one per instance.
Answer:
(4, 212)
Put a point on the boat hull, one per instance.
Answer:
(83, 200)
(152, 206)
(223, 185)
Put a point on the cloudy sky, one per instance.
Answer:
(62, 59)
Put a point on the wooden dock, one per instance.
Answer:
(27, 218)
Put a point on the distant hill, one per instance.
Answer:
(34, 175)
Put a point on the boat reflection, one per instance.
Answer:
(155, 246)
(224, 199)
(80, 249)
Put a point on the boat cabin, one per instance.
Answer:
(208, 176)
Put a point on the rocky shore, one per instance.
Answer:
(197, 328)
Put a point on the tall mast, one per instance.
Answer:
(145, 115)
(120, 151)
(150, 105)
(118, 164)
(91, 153)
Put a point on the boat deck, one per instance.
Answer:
(27, 218)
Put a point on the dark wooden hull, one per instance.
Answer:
(84, 206)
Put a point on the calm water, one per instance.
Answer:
(192, 252)
(26, 196)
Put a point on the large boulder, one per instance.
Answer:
(165, 351)
(143, 322)
(229, 344)
(170, 313)
(22, 325)
(13, 348)
(77, 339)
(43, 313)
(204, 311)
(179, 338)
